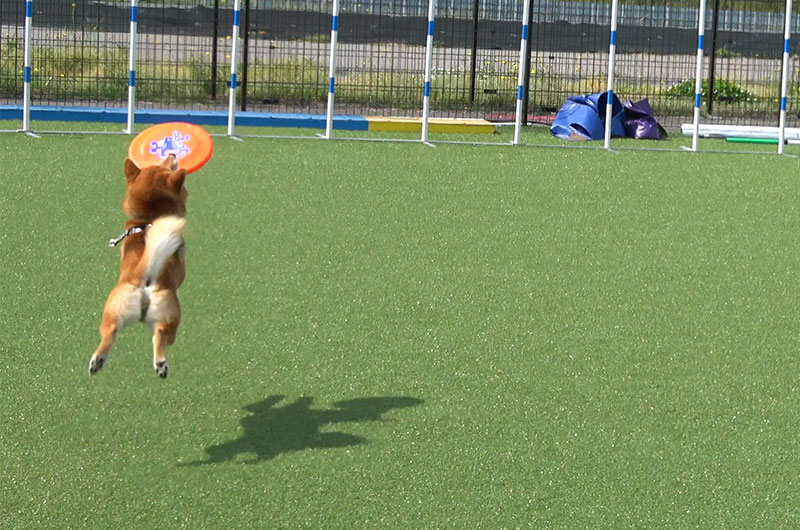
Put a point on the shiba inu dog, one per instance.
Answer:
(152, 260)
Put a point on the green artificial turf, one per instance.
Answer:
(390, 335)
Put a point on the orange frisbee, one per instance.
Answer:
(191, 145)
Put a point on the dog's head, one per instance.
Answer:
(155, 191)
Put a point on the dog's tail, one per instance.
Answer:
(162, 240)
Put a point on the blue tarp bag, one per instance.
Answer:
(584, 118)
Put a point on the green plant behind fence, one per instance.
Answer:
(724, 91)
(11, 60)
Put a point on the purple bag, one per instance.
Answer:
(640, 123)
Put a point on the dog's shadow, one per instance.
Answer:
(270, 430)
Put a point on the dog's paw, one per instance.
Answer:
(162, 368)
(95, 363)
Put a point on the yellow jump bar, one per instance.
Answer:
(435, 125)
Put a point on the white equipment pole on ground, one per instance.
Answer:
(698, 81)
(612, 52)
(234, 52)
(523, 62)
(26, 91)
(132, 66)
(332, 69)
(787, 33)
(426, 98)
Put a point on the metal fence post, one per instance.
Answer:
(473, 62)
(214, 51)
(246, 52)
(712, 59)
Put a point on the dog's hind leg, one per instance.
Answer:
(108, 332)
(121, 308)
(163, 335)
(164, 317)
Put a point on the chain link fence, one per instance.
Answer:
(81, 56)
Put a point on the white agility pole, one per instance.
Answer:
(426, 97)
(132, 66)
(612, 53)
(26, 91)
(332, 69)
(523, 62)
(787, 33)
(237, 13)
(698, 79)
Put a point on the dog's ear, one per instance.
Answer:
(131, 171)
(175, 181)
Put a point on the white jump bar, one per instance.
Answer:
(741, 131)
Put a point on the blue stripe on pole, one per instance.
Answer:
(697, 101)
(27, 74)
(331, 85)
(525, 31)
(427, 91)
(134, 14)
(610, 95)
(614, 38)
(335, 23)
(29, 9)
(786, 46)
(520, 92)
(783, 103)
(132, 78)
(700, 40)
(430, 28)
(236, 16)
(233, 81)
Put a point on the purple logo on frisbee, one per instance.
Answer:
(171, 145)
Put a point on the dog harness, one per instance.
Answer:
(129, 232)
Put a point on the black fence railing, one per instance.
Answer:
(80, 56)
